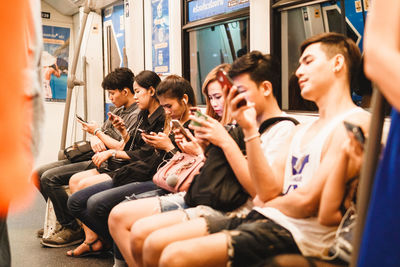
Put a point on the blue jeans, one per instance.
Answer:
(92, 205)
(53, 177)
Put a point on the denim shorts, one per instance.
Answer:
(172, 202)
(252, 239)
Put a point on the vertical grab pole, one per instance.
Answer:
(372, 152)
(85, 109)
(72, 79)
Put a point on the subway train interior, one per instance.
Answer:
(88, 39)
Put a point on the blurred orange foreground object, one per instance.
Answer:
(15, 107)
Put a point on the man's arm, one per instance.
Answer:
(382, 48)
(267, 177)
(304, 201)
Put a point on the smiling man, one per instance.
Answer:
(288, 192)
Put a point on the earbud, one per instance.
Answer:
(185, 101)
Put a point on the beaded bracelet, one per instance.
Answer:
(96, 131)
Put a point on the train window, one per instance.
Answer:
(213, 45)
(303, 20)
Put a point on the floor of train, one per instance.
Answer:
(26, 249)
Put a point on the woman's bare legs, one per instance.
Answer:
(144, 227)
(123, 216)
(157, 240)
(206, 251)
(77, 177)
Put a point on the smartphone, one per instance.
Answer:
(110, 116)
(224, 79)
(143, 131)
(79, 118)
(356, 130)
(177, 125)
(198, 114)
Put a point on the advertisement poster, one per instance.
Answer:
(55, 62)
(160, 36)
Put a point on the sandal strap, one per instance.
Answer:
(90, 245)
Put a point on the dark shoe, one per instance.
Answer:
(91, 252)
(40, 233)
(63, 238)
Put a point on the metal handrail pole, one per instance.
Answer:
(71, 82)
(368, 169)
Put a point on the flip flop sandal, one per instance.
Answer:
(91, 252)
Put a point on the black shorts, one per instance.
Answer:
(253, 239)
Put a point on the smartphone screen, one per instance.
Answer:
(177, 125)
(80, 118)
(356, 130)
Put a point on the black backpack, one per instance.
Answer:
(216, 184)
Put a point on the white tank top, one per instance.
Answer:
(312, 238)
(302, 162)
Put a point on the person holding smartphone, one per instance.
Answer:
(288, 190)
(52, 177)
(140, 160)
(122, 216)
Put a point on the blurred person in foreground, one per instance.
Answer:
(382, 66)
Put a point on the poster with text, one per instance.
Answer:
(55, 62)
(160, 36)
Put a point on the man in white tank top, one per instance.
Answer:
(289, 191)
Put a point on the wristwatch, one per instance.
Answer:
(113, 153)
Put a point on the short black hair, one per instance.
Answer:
(333, 43)
(119, 79)
(260, 67)
(174, 86)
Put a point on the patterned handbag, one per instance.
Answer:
(178, 173)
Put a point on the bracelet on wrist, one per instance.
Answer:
(96, 131)
(254, 136)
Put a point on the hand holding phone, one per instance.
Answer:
(198, 114)
(177, 125)
(143, 131)
(356, 130)
(80, 119)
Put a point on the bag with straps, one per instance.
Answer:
(342, 246)
(79, 151)
(178, 173)
(216, 185)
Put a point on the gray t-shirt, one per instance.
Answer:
(129, 115)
